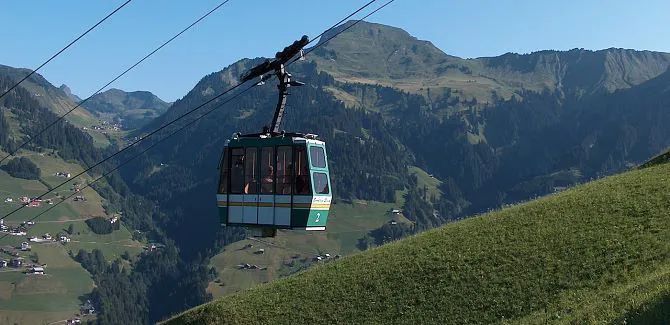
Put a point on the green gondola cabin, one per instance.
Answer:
(273, 179)
(275, 182)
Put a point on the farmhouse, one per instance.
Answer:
(25, 246)
(63, 174)
(87, 308)
(3, 263)
(46, 236)
(155, 246)
(16, 262)
(17, 232)
(64, 239)
(36, 270)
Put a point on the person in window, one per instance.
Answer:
(268, 180)
(284, 181)
(237, 175)
(302, 185)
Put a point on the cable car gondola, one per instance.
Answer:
(275, 180)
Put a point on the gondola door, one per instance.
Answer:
(284, 181)
(251, 184)
(266, 197)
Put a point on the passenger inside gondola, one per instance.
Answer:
(284, 169)
(268, 181)
(251, 171)
(237, 172)
(302, 172)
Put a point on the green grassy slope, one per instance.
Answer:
(596, 253)
(291, 251)
(34, 299)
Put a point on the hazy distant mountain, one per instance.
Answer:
(132, 109)
(69, 93)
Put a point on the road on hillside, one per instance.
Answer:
(108, 243)
(65, 221)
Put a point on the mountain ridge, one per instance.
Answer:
(507, 74)
(133, 109)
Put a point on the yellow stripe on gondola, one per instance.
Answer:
(308, 206)
(302, 206)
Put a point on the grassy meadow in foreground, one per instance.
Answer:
(596, 253)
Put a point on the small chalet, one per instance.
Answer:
(17, 232)
(36, 270)
(63, 174)
(25, 246)
(87, 308)
(16, 262)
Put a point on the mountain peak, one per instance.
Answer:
(69, 93)
(376, 51)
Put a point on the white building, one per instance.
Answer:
(25, 246)
(37, 270)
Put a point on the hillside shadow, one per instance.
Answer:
(658, 313)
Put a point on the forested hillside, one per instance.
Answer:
(144, 278)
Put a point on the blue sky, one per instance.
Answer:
(33, 30)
